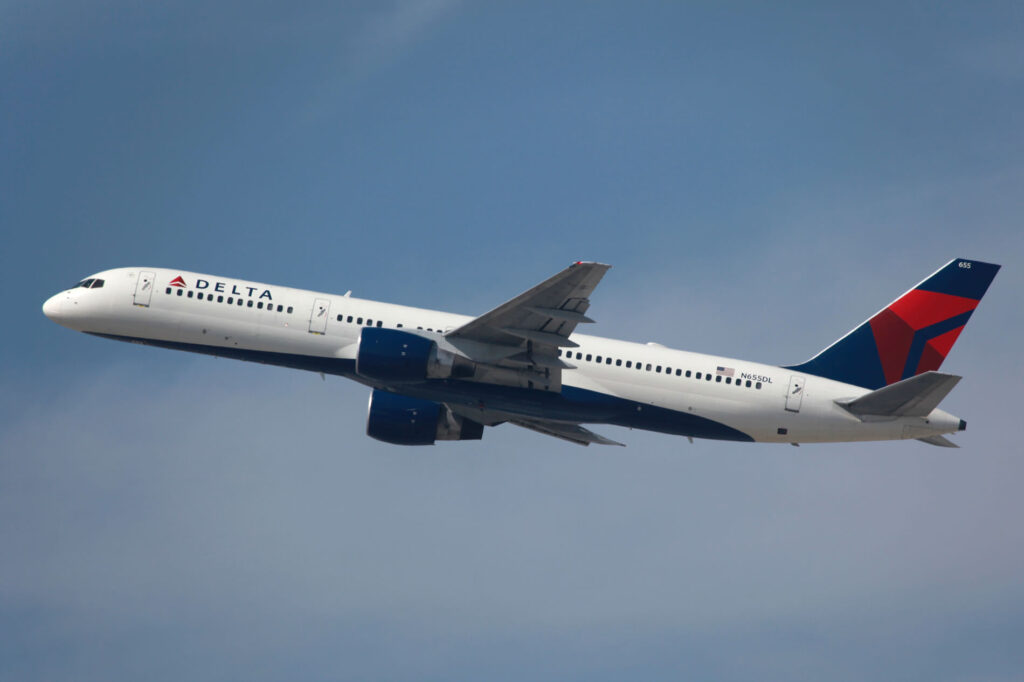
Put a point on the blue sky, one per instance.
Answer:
(761, 179)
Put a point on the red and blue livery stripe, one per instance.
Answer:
(912, 335)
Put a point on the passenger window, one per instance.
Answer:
(239, 301)
(260, 305)
(607, 361)
(618, 362)
(648, 367)
(748, 383)
(688, 374)
(629, 364)
(168, 292)
(290, 310)
(399, 325)
(728, 380)
(231, 300)
(359, 321)
(598, 359)
(179, 292)
(758, 385)
(379, 323)
(679, 372)
(707, 377)
(339, 317)
(190, 294)
(249, 304)
(369, 322)
(698, 375)
(658, 370)
(589, 356)
(718, 379)
(280, 308)
(220, 299)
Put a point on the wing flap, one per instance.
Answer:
(549, 338)
(573, 433)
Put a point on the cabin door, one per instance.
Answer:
(318, 316)
(144, 288)
(795, 396)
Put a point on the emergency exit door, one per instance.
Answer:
(795, 396)
(318, 316)
(144, 288)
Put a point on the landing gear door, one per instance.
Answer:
(795, 396)
(318, 316)
(144, 288)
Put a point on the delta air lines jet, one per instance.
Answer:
(440, 376)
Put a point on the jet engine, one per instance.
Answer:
(393, 355)
(399, 419)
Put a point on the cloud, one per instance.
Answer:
(390, 34)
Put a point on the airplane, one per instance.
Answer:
(436, 375)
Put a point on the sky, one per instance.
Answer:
(761, 178)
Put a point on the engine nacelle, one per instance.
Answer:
(394, 355)
(402, 420)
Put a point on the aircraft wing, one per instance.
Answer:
(530, 328)
(570, 432)
(559, 429)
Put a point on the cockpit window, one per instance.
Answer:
(85, 283)
(96, 284)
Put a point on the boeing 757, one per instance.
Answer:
(442, 376)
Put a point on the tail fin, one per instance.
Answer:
(911, 335)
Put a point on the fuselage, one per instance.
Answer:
(644, 386)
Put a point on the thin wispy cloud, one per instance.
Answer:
(389, 34)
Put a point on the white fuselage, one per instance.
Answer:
(320, 332)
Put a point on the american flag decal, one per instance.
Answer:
(725, 371)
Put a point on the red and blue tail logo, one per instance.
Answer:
(911, 335)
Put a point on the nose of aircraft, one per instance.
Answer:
(53, 308)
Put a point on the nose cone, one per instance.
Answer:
(53, 308)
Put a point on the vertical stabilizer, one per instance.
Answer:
(911, 335)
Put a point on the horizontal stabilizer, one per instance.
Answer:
(913, 397)
(941, 441)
